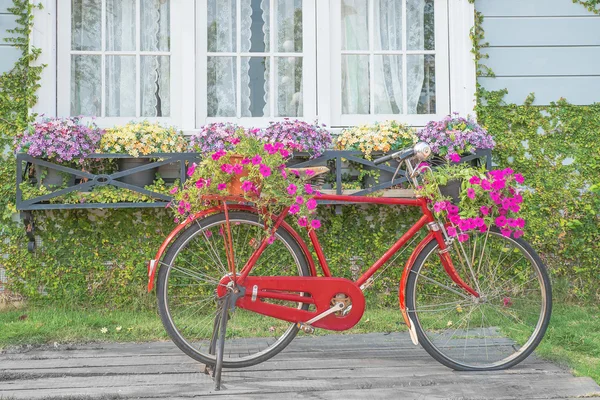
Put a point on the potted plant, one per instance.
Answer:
(214, 137)
(141, 138)
(298, 136)
(485, 199)
(376, 139)
(255, 172)
(60, 140)
(454, 137)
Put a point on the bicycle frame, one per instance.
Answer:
(427, 219)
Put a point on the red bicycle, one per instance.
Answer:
(230, 297)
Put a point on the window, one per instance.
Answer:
(389, 60)
(258, 60)
(192, 62)
(118, 63)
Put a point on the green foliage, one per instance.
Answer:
(591, 5)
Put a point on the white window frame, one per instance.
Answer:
(455, 66)
(64, 65)
(309, 67)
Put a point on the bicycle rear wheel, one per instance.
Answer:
(501, 327)
(191, 270)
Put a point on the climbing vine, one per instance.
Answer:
(591, 5)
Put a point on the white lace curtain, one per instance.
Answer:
(254, 76)
(387, 71)
(120, 70)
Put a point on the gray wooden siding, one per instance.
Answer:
(8, 54)
(548, 47)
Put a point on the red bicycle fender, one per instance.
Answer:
(153, 264)
(404, 280)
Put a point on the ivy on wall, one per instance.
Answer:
(591, 5)
(82, 261)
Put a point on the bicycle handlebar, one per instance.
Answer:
(398, 156)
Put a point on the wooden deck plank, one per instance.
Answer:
(325, 367)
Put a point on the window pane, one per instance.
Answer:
(155, 87)
(120, 25)
(421, 84)
(388, 25)
(86, 85)
(222, 87)
(388, 84)
(255, 87)
(86, 25)
(255, 29)
(289, 87)
(289, 26)
(355, 26)
(355, 84)
(156, 21)
(222, 26)
(420, 25)
(120, 86)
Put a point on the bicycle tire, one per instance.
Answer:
(192, 339)
(495, 335)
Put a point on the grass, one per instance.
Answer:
(572, 340)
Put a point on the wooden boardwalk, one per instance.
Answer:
(373, 366)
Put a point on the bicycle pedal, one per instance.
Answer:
(306, 328)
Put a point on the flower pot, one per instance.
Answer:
(52, 179)
(452, 190)
(170, 172)
(143, 178)
(234, 187)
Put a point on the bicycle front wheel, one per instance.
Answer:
(191, 270)
(496, 330)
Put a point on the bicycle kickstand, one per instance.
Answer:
(219, 335)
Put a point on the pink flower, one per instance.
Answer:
(518, 234)
(294, 209)
(234, 140)
(192, 169)
(519, 178)
(292, 189)
(454, 218)
(270, 148)
(463, 237)
(227, 168)
(475, 180)
(315, 224)
(508, 171)
(483, 228)
(471, 193)
(284, 153)
(247, 186)
(454, 158)
(256, 160)
(221, 186)
(174, 190)
(265, 170)
(501, 221)
(511, 222)
(440, 206)
(271, 239)
(451, 231)
(310, 172)
(217, 156)
(486, 185)
(506, 232)
(200, 183)
(308, 189)
(295, 172)
(499, 184)
(299, 200)
(311, 204)
(514, 208)
(302, 221)
(284, 174)
(238, 169)
(246, 161)
(520, 223)
(518, 199)
(484, 210)
(478, 222)
(452, 209)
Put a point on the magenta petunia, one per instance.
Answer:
(174, 190)
(264, 170)
(200, 183)
(315, 224)
(308, 189)
(247, 186)
(284, 153)
(484, 210)
(311, 204)
(256, 160)
(192, 169)
(299, 200)
(486, 185)
(471, 193)
(506, 232)
(499, 184)
(227, 168)
(294, 209)
(463, 237)
(292, 189)
(501, 221)
(475, 180)
(519, 178)
(518, 234)
(238, 169)
(302, 221)
(217, 156)
(451, 231)
(221, 186)
(455, 158)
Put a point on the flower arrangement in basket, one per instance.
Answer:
(59, 139)
(255, 172)
(298, 136)
(214, 137)
(143, 138)
(486, 199)
(379, 137)
(455, 136)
